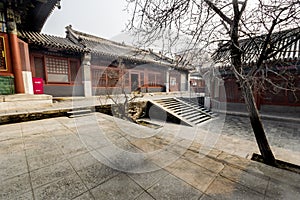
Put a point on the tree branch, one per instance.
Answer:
(218, 11)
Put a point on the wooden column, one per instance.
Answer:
(16, 57)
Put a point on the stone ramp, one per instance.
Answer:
(187, 113)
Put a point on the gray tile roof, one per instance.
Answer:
(101, 46)
(45, 40)
(286, 42)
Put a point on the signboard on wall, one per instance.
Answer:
(3, 66)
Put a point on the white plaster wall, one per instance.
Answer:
(27, 79)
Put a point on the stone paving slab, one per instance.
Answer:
(171, 187)
(119, 187)
(47, 159)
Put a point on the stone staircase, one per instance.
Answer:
(198, 104)
(189, 113)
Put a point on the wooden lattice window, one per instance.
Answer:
(154, 79)
(98, 78)
(105, 77)
(3, 27)
(57, 70)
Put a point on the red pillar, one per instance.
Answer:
(16, 62)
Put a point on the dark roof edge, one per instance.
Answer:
(50, 6)
(81, 35)
(46, 40)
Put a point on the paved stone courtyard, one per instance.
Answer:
(280, 133)
(63, 158)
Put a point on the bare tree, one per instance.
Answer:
(206, 23)
(122, 100)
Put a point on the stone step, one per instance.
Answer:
(201, 120)
(184, 112)
(201, 107)
(26, 97)
(197, 118)
(170, 103)
(24, 101)
(179, 106)
(193, 115)
(79, 113)
(188, 112)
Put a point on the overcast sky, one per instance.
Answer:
(103, 18)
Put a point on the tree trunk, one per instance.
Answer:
(257, 126)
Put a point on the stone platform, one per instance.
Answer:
(21, 101)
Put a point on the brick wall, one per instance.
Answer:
(7, 85)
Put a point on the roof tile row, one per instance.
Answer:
(76, 41)
(285, 43)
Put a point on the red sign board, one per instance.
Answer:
(38, 86)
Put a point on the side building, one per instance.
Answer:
(279, 72)
(85, 65)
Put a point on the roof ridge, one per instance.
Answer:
(94, 38)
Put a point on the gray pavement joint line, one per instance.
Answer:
(224, 162)
(269, 180)
(242, 184)
(211, 157)
(205, 191)
(243, 169)
(63, 124)
(29, 173)
(146, 193)
(145, 189)
(203, 167)
(88, 191)
(117, 174)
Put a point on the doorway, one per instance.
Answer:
(134, 82)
